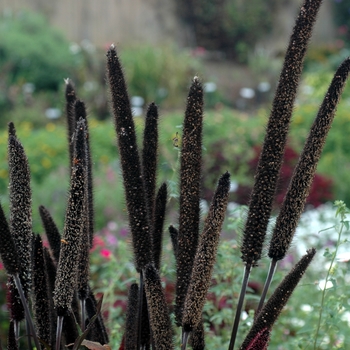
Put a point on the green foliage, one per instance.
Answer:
(232, 27)
(33, 52)
(158, 74)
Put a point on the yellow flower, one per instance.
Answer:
(3, 173)
(46, 163)
(50, 127)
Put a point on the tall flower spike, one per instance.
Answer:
(205, 256)
(173, 235)
(276, 134)
(131, 318)
(71, 121)
(158, 310)
(12, 129)
(52, 233)
(51, 276)
(14, 304)
(80, 112)
(130, 162)
(8, 251)
(190, 177)
(278, 300)
(304, 172)
(149, 158)
(72, 234)
(159, 216)
(41, 303)
(197, 340)
(260, 341)
(271, 156)
(20, 208)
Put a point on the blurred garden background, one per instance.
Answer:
(237, 49)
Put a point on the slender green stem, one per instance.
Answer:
(247, 270)
(325, 285)
(267, 285)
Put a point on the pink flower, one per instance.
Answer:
(97, 242)
(106, 253)
(1, 266)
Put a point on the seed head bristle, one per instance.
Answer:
(273, 307)
(205, 256)
(299, 187)
(271, 156)
(157, 309)
(173, 235)
(190, 178)
(80, 112)
(51, 230)
(70, 115)
(41, 305)
(8, 251)
(20, 222)
(197, 340)
(159, 217)
(149, 158)
(14, 304)
(131, 318)
(130, 162)
(72, 234)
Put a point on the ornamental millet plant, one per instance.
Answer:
(56, 280)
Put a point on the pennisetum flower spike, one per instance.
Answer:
(157, 228)
(20, 207)
(271, 156)
(52, 232)
(8, 251)
(72, 234)
(149, 157)
(131, 318)
(205, 258)
(41, 305)
(130, 162)
(298, 190)
(190, 177)
(80, 112)
(131, 168)
(273, 307)
(157, 309)
(70, 115)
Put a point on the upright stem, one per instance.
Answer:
(269, 277)
(16, 326)
(26, 310)
(83, 307)
(30, 345)
(184, 339)
(140, 311)
(59, 332)
(247, 270)
(325, 285)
